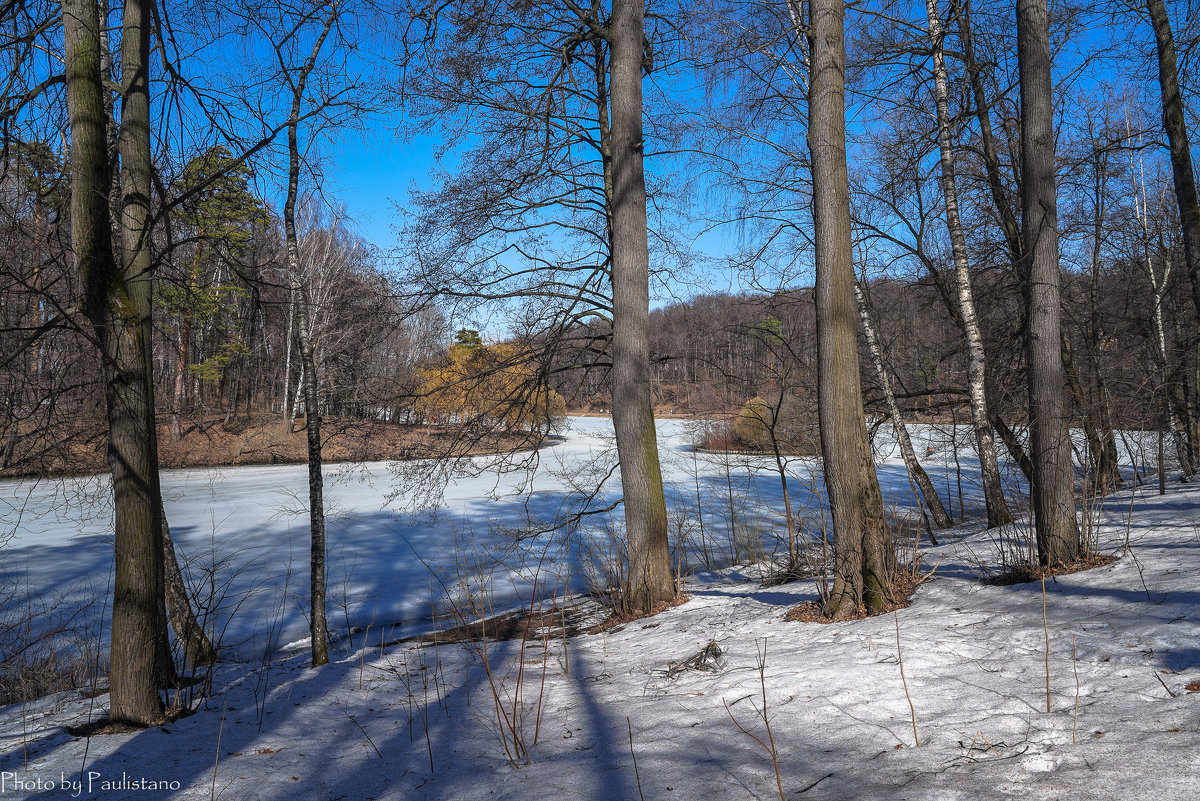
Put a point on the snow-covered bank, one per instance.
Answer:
(973, 655)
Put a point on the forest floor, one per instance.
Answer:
(258, 441)
(676, 706)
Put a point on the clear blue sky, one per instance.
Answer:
(371, 173)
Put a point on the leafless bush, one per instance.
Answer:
(1014, 550)
(45, 642)
(768, 745)
(469, 601)
(603, 556)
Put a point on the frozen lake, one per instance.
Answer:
(243, 533)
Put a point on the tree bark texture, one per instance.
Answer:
(862, 546)
(137, 616)
(649, 580)
(1053, 485)
(1175, 125)
(985, 443)
(137, 268)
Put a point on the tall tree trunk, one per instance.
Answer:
(985, 443)
(1175, 125)
(917, 473)
(133, 143)
(1108, 468)
(288, 416)
(135, 661)
(1053, 483)
(650, 580)
(862, 546)
(318, 629)
(1184, 180)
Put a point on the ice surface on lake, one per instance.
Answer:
(243, 531)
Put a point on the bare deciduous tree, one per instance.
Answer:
(119, 317)
(862, 545)
(1053, 484)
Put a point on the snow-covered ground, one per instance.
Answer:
(406, 722)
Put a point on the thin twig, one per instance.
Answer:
(1046, 629)
(904, 681)
(636, 775)
(1165, 687)
(217, 756)
(814, 784)
(769, 747)
(1075, 667)
(361, 729)
(762, 682)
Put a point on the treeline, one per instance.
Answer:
(225, 334)
(713, 353)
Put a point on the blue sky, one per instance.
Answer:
(372, 172)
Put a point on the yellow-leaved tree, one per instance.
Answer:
(497, 387)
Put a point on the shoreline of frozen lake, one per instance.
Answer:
(242, 531)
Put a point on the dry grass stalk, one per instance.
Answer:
(900, 656)
(1075, 668)
(637, 775)
(769, 744)
(1046, 629)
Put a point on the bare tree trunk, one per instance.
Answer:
(135, 658)
(316, 487)
(198, 649)
(1012, 443)
(318, 629)
(1053, 485)
(138, 271)
(1175, 125)
(862, 546)
(650, 579)
(932, 501)
(789, 516)
(288, 414)
(1108, 468)
(993, 491)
